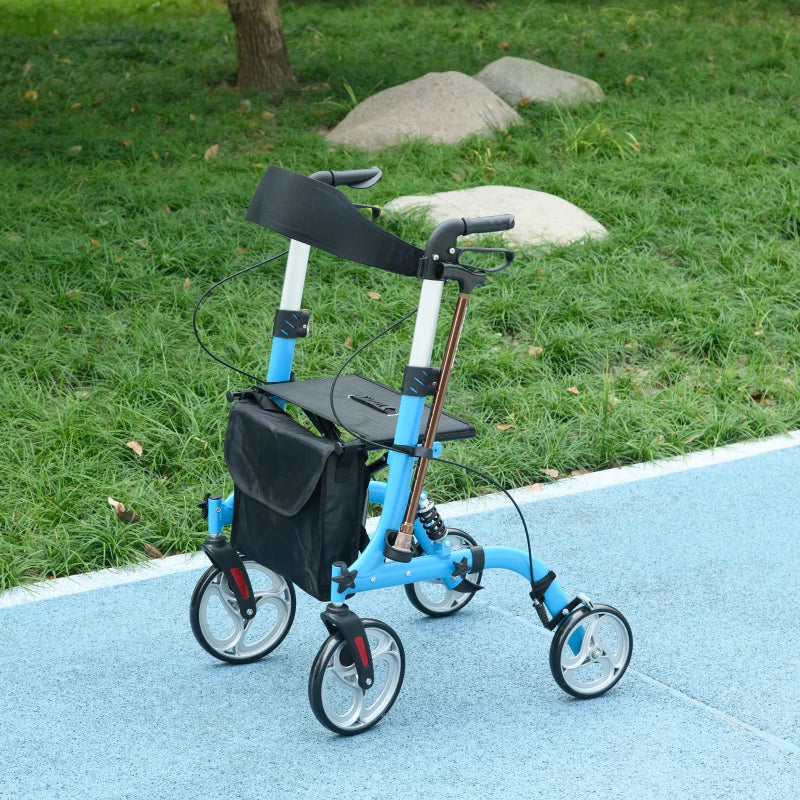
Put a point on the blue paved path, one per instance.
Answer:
(105, 694)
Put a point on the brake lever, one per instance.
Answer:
(376, 211)
(468, 276)
(509, 256)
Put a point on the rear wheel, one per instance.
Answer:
(218, 625)
(433, 597)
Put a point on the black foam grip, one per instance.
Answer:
(502, 222)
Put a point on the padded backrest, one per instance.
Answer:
(321, 216)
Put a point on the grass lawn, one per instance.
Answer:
(679, 331)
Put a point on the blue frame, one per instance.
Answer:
(374, 571)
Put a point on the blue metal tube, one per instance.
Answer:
(431, 567)
(280, 359)
(377, 492)
(394, 492)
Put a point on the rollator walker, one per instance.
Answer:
(300, 499)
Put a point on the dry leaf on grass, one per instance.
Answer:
(535, 487)
(551, 473)
(123, 514)
(374, 295)
(186, 284)
(535, 351)
(506, 427)
(573, 389)
(153, 552)
(212, 152)
(348, 342)
(135, 446)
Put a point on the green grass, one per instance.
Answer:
(680, 331)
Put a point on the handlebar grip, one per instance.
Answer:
(502, 222)
(355, 178)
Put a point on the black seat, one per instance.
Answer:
(364, 407)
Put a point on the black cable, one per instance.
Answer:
(206, 293)
(380, 446)
(346, 364)
(336, 417)
(508, 495)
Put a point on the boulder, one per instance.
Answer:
(541, 218)
(516, 79)
(444, 107)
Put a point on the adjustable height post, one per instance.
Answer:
(402, 541)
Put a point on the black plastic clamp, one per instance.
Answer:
(203, 505)
(417, 451)
(462, 569)
(393, 553)
(420, 381)
(538, 588)
(340, 618)
(290, 324)
(228, 561)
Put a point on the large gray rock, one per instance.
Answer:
(444, 107)
(516, 79)
(541, 218)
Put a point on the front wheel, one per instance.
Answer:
(590, 651)
(337, 700)
(433, 597)
(218, 625)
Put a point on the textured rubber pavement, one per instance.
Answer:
(105, 693)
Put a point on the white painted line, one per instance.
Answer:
(621, 475)
(568, 486)
(75, 584)
(776, 741)
(771, 738)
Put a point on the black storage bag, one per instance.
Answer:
(299, 498)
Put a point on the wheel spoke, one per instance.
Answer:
(227, 599)
(232, 640)
(581, 658)
(385, 647)
(337, 678)
(346, 676)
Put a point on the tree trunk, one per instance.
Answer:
(261, 57)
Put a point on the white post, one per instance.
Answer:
(295, 277)
(430, 300)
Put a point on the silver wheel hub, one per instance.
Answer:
(595, 653)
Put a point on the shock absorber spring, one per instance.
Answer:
(431, 520)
